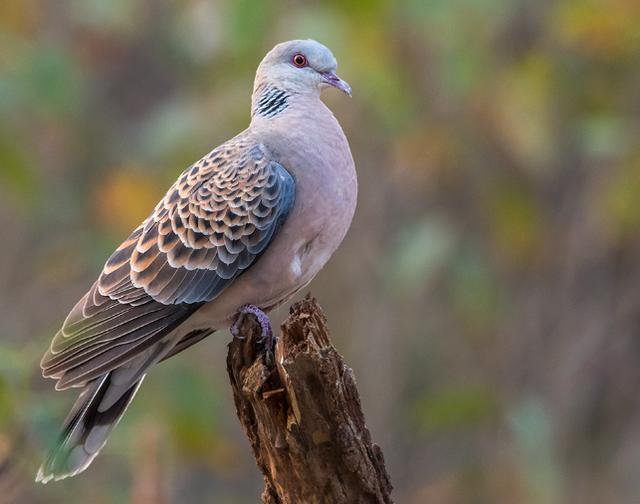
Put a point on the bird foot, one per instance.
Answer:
(267, 337)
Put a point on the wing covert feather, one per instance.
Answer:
(214, 223)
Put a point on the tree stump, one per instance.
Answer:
(301, 412)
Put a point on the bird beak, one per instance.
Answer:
(333, 80)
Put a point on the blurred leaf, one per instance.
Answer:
(619, 202)
(247, 23)
(5, 402)
(380, 80)
(168, 129)
(456, 408)
(515, 221)
(475, 291)
(204, 21)
(114, 16)
(419, 254)
(194, 411)
(523, 105)
(49, 78)
(461, 34)
(321, 24)
(12, 361)
(16, 172)
(19, 16)
(125, 198)
(606, 136)
(531, 428)
(604, 28)
(426, 157)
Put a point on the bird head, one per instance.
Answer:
(300, 66)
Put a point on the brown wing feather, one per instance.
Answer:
(213, 223)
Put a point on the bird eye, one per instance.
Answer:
(299, 60)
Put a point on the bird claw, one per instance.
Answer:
(267, 337)
(235, 327)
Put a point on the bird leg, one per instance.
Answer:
(267, 337)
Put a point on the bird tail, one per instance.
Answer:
(95, 413)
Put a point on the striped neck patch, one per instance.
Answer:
(272, 101)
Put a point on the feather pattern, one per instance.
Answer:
(213, 223)
(271, 101)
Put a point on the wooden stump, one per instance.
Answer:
(303, 417)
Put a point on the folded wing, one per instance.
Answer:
(212, 225)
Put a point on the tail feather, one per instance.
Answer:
(99, 408)
(87, 428)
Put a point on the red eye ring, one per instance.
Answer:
(299, 60)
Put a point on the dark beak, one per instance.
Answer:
(333, 80)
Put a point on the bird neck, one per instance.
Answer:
(269, 101)
(272, 99)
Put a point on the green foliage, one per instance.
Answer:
(193, 420)
(532, 431)
(475, 293)
(455, 409)
(16, 172)
(419, 254)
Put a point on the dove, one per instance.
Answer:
(241, 231)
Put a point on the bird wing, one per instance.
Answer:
(213, 223)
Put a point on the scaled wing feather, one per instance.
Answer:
(213, 224)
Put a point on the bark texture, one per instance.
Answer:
(301, 412)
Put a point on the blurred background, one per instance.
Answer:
(487, 295)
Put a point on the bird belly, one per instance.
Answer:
(284, 269)
(299, 251)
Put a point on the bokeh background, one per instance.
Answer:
(487, 296)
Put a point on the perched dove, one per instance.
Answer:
(240, 231)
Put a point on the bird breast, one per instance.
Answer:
(317, 155)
